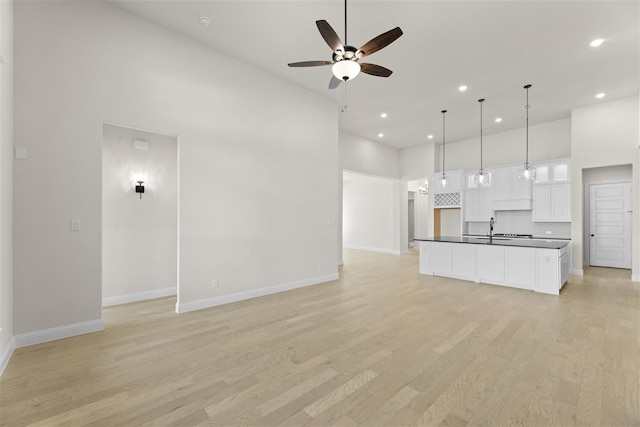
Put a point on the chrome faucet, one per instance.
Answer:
(491, 222)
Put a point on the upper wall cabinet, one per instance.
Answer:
(478, 203)
(552, 192)
(553, 172)
(510, 193)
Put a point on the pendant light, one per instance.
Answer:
(481, 178)
(443, 182)
(528, 172)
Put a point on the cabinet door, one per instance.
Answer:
(541, 203)
(490, 265)
(501, 186)
(472, 205)
(478, 206)
(463, 261)
(548, 278)
(520, 189)
(560, 202)
(520, 267)
(441, 258)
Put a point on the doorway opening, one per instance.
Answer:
(608, 213)
(139, 215)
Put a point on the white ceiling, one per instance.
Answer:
(494, 47)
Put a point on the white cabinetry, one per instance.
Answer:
(520, 267)
(491, 264)
(478, 204)
(510, 193)
(539, 269)
(552, 193)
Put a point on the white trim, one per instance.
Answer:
(138, 296)
(576, 272)
(367, 248)
(239, 296)
(7, 355)
(635, 278)
(59, 332)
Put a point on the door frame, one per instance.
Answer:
(586, 238)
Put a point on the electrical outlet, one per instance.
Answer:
(215, 283)
(320, 266)
(547, 232)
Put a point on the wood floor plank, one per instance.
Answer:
(381, 346)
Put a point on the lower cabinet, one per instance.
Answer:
(541, 270)
(520, 267)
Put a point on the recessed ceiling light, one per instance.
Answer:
(463, 88)
(601, 95)
(498, 119)
(596, 42)
(205, 20)
(430, 136)
(383, 115)
(380, 135)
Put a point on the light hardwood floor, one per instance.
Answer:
(381, 346)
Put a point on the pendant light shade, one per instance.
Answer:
(443, 182)
(481, 178)
(528, 172)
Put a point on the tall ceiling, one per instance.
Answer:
(493, 47)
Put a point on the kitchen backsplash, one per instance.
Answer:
(520, 222)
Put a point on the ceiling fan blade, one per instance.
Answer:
(334, 82)
(309, 63)
(377, 43)
(375, 70)
(329, 35)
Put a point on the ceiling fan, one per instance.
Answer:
(345, 59)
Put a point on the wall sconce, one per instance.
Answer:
(140, 188)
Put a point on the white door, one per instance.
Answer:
(610, 225)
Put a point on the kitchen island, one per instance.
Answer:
(538, 265)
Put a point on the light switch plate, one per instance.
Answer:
(75, 225)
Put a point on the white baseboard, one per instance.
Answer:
(576, 272)
(139, 296)
(254, 293)
(370, 249)
(635, 278)
(7, 355)
(52, 334)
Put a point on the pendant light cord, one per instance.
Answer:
(481, 101)
(443, 142)
(526, 107)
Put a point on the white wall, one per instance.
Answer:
(139, 235)
(604, 134)
(368, 212)
(372, 158)
(258, 161)
(6, 182)
(366, 156)
(551, 140)
(450, 222)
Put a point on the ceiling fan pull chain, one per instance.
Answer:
(344, 97)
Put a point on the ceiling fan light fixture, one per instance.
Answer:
(346, 69)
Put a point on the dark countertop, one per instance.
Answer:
(502, 241)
